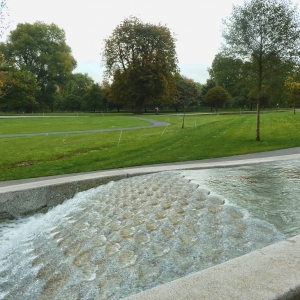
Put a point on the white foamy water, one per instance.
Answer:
(125, 237)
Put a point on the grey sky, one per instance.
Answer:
(197, 25)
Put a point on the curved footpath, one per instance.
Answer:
(155, 123)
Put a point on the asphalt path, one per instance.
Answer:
(155, 123)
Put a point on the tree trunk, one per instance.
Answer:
(259, 98)
(183, 117)
(139, 106)
(258, 121)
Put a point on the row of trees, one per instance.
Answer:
(141, 62)
(36, 68)
(258, 64)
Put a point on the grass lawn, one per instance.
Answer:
(204, 136)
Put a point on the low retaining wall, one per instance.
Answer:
(28, 198)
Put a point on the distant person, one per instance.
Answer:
(156, 110)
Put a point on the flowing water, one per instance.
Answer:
(136, 233)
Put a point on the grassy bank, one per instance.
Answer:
(204, 136)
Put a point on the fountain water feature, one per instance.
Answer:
(125, 237)
(268, 192)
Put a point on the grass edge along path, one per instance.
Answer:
(203, 137)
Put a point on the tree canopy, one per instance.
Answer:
(94, 98)
(187, 92)
(266, 34)
(293, 86)
(227, 72)
(216, 97)
(41, 49)
(141, 59)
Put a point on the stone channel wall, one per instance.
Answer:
(30, 198)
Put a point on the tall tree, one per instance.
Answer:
(260, 32)
(142, 60)
(42, 50)
(210, 83)
(76, 84)
(18, 90)
(227, 72)
(94, 98)
(187, 92)
(74, 90)
(293, 87)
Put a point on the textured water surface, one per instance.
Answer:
(268, 191)
(125, 237)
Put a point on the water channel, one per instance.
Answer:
(136, 233)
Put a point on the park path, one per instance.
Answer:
(155, 123)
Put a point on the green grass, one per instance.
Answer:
(204, 136)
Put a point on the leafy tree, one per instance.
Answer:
(42, 50)
(71, 102)
(4, 78)
(187, 92)
(227, 72)
(216, 97)
(74, 90)
(293, 85)
(76, 84)
(260, 32)
(94, 98)
(105, 88)
(22, 87)
(230, 73)
(210, 83)
(199, 88)
(142, 60)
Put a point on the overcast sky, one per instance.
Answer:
(196, 23)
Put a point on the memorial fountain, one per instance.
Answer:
(136, 233)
